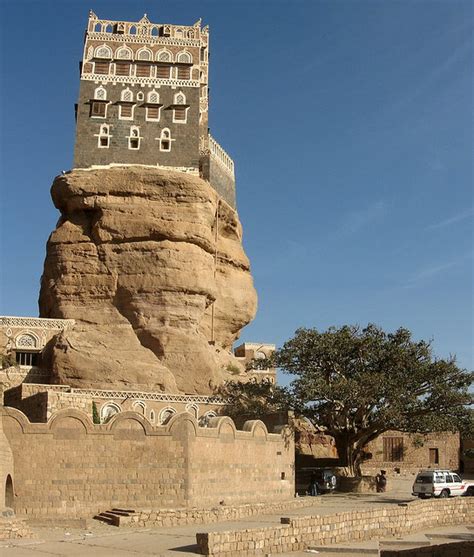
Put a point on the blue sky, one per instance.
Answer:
(350, 123)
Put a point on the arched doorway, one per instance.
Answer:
(9, 496)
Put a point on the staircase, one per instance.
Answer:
(116, 517)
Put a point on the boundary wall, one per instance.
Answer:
(296, 534)
(452, 549)
(72, 467)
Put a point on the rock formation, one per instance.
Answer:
(150, 264)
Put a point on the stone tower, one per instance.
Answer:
(143, 100)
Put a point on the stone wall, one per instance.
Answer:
(297, 533)
(415, 452)
(71, 467)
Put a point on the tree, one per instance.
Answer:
(252, 400)
(359, 383)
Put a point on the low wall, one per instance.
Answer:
(72, 467)
(296, 534)
(180, 517)
(454, 549)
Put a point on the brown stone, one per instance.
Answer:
(133, 262)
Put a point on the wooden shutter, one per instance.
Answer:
(393, 449)
(153, 112)
(143, 70)
(184, 72)
(180, 113)
(122, 68)
(163, 72)
(125, 110)
(102, 67)
(98, 109)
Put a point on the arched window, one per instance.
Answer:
(108, 28)
(154, 31)
(144, 54)
(165, 140)
(123, 53)
(134, 138)
(153, 97)
(132, 30)
(26, 340)
(108, 410)
(140, 96)
(139, 406)
(126, 95)
(191, 34)
(100, 94)
(164, 56)
(153, 108)
(126, 105)
(9, 494)
(165, 415)
(103, 139)
(180, 98)
(184, 58)
(178, 33)
(204, 420)
(180, 111)
(97, 28)
(193, 409)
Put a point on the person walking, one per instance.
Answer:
(381, 481)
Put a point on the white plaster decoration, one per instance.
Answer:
(204, 420)
(103, 51)
(100, 94)
(184, 58)
(134, 139)
(27, 340)
(165, 140)
(108, 410)
(153, 97)
(35, 323)
(140, 96)
(165, 415)
(139, 406)
(180, 98)
(143, 81)
(219, 155)
(124, 53)
(126, 95)
(164, 55)
(193, 409)
(144, 54)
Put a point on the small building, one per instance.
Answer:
(250, 354)
(396, 451)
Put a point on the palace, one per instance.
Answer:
(143, 100)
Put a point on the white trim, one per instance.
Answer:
(164, 50)
(193, 409)
(140, 96)
(142, 50)
(166, 138)
(109, 405)
(103, 134)
(129, 118)
(131, 136)
(103, 46)
(187, 55)
(166, 410)
(30, 334)
(140, 404)
(148, 119)
(100, 88)
(126, 92)
(124, 47)
(185, 121)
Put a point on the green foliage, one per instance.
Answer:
(359, 383)
(261, 363)
(417, 441)
(252, 400)
(95, 413)
(233, 369)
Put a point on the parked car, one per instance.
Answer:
(326, 479)
(440, 483)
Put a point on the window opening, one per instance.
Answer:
(143, 70)
(393, 449)
(434, 456)
(27, 358)
(184, 72)
(122, 68)
(165, 140)
(134, 138)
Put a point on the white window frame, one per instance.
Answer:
(166, 410)
(96, 97)
(131, 136)
(101, 135)
(109, 51)
(161, 139)
(185, 121)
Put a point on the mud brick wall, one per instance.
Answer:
(72, 467)
(296, 534)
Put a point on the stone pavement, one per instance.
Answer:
(107, 541)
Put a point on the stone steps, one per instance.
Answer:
(116, 517)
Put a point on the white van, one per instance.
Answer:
(438, 483)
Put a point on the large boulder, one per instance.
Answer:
(150, 265)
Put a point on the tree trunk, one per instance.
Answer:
(349, 456)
